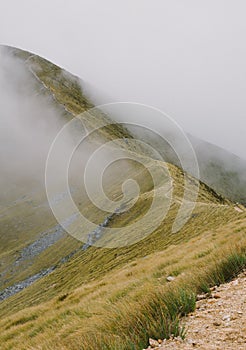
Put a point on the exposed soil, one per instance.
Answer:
(219, 321)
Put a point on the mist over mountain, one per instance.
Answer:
(90, 236)
(30, 120)
(122, 174)
(222, 170)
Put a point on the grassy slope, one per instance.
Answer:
(108, 281)
(22, 219)
(80, 297)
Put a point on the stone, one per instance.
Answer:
(201, 297)
(170, 278)
(216, 296)
(153, 343)
(192, 342)
(226, 318)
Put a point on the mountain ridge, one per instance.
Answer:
(81, 288)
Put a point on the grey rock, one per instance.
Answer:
(170, 278)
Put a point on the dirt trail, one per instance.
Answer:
(219, 322)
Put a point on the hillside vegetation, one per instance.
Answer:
(109, 298)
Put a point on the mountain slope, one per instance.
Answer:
(76, 288)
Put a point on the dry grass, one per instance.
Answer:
(123, 308)
(117, 298)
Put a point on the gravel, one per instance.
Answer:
(18, 287)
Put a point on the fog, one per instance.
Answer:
(184, 57)
(42, 147)
(28, 124)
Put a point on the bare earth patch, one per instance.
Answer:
(219, 321)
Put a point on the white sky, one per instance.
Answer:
(187, 58)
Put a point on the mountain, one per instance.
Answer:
(103, 285)
(219, 169)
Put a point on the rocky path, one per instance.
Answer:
(219, 321)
